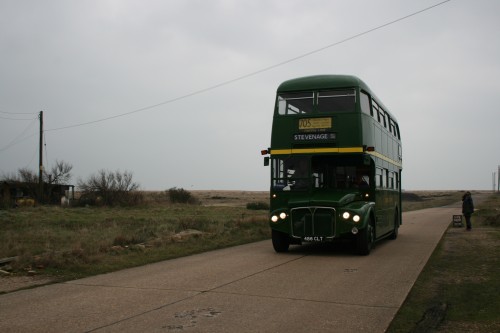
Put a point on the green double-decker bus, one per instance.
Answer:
(336, 163)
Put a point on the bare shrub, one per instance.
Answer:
(60, 173)
(110, 189)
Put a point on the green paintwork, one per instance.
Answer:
(315, 210)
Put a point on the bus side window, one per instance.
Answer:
(365, 104)
(392, 128)
(378, 177)
(278, 175)
(397, 131)
(382, 117)
(318, 180)
(375, 112)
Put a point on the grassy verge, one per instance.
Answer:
(69, 243)
(458, 288)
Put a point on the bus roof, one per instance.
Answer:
(333, 81)
(322, 82)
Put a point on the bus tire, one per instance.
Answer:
(281, 242)
(365, 240)
(395, 231)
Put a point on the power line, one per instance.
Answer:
(18, 138)
(9, 118)
(35, 152)
(265, 69)
(18, 112)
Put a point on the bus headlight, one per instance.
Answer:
(347, 216)
(277, 217)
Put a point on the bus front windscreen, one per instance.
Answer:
(300, 173)
(329, 101)
(295, 103)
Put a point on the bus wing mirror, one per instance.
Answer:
(266, 161)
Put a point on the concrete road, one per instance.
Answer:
(247, 288)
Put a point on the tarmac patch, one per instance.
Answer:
(191, 318)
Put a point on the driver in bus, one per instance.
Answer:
(297, 176)
(362, 180)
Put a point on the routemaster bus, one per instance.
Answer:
(336, 162)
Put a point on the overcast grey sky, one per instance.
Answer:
(83, 61)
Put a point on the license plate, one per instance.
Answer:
(314, 239)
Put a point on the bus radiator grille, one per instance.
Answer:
(313, 221)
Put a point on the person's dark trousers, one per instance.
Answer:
(467, 221)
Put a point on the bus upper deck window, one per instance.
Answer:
(382, 117)
(336, 101)
(295, 103)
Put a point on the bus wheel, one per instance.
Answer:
(395, 231)
(281, 242)
(365, 240)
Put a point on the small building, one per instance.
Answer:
(14, 193)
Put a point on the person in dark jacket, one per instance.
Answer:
(467, 208)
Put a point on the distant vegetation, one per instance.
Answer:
(258, 205)
(108, 188)
(180, 195)
(103, 188)
(59, 173)
(425, 199)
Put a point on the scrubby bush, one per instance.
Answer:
(257, 206)
(180, 195)
(492, 220)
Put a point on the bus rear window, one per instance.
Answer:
(337, 101)
(295, 103)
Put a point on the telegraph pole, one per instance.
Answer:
(40, 171)
(498, 180)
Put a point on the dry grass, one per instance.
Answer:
(67, 243)
(416, 200)
(459, 285)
